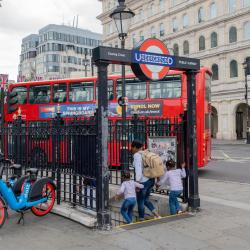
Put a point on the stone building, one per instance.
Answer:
(216, 31)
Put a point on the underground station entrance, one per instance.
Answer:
(149, 61)
(76, 152)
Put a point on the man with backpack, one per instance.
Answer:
(148, 183)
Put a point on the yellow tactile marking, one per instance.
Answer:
(145, 221)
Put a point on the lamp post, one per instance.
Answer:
(122, 17)
(246, 66)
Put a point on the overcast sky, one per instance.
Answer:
(19, 18)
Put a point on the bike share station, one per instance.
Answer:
(150, 61)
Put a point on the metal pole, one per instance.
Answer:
(247, 111)
(124, 149)
(194, 200)
(102, 178)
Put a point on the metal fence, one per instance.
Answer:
(65, 150)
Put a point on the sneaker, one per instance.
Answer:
(157, 217)
(179, 212)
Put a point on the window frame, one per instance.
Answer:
(66, 92)
(70, 98)
(40, 85)
(233, 66)
(119, 83)
(202, 41)
(162, 81)
(232, 34)
(217, 71)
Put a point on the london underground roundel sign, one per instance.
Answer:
(151, 60)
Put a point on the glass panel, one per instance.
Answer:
(169, 87)
(233, 69)
(202, 43)
(110, 90)
(232, 5)
(201, 14)
(40, 94)
(247, 30)
(215, 75)
(208, 88)
(135, 89)
(59, 92)
(21, 94)
(246, 3)
(213, 11)
(81, 92)
(213, 40)
(232, 35)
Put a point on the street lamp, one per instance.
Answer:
(122, 17)
(246, 66)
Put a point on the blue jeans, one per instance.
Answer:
(127, 209)
(173, 201)
(143, 198)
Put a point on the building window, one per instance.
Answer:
(201, 15)
(176, 49)
(175, 25)
(213, 11)
(232, 6)
(247, 30)
(140, 15)
(232, 35)
(174, 2)
(215, 72)
(153, 33)
(162, 29)
(233, 69)
(185, 48)
(214, 40)
(141, 36)
(133, 40)
(185, 21)
(246, 3)
(152, 9)
(202, 44)
(161, 2)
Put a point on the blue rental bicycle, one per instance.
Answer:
(37, 195)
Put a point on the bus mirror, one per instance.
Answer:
(12, 102)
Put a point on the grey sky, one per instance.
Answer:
(19, 18)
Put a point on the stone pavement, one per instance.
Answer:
(222, 223)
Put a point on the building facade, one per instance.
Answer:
(58, 51)
(215, 31)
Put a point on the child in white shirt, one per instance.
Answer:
(173, 177)
(128, 188)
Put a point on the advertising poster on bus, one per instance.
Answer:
(165, 146)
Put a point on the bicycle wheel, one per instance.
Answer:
(45, 207)
(3, 212)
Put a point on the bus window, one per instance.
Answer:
(81, 91)
(39, 94)
(21, 94)
(169, 87)
(135, 89)
(110, 90)
(59, 92)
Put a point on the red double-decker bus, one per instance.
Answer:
(162, 99)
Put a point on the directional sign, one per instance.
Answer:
(151, 61)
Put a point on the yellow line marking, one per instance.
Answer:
(145, 221)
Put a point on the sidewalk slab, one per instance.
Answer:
(84, 217)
